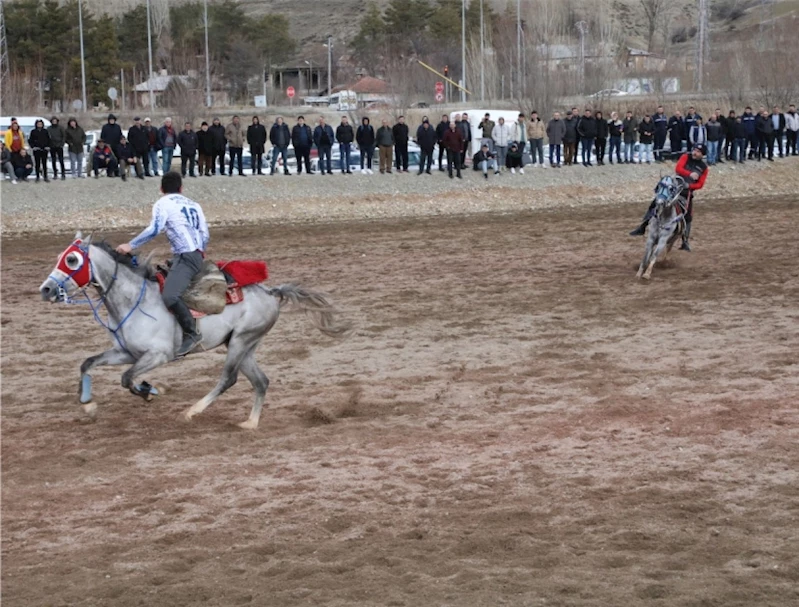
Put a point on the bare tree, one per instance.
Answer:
(655, 12)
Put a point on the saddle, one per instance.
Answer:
(218, 284)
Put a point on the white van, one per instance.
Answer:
(26, 124)
(343, 101)
(476, 117)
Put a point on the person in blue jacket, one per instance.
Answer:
(324, 139)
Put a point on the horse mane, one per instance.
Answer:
(143, 268)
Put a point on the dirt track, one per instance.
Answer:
(515, 421)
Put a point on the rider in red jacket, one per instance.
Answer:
(694, 170)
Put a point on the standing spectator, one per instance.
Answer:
(740, 138)
(661, 122)
(103, 158)
(502, 137)
(570, 138)
(485, 159)
(57, 134)
(646, 132)
(765, 132)
(586, 129)
(535, 133)
(345, 136)
(365, 136)
(514, 159)
(154, 147)
(453, 143)
(138, 139)
(15, 138)
(486, 127)
(791, 130)
(302, 140)
(22, 164)
(5, 162)
(205, 150)
(556, 130)
(401, 137)
(39, 140)
(280, 137)
(466, 132)
(441, 130)
(729, 137)
(714, 132)
(167, 139)
(385, 143)
(750, 122)
(426, 138)
(256, 137)
(629, 127)
(601, 138)
(323, 138)
(220, 142)
(698, 133)
(615, 127)
(128, 157)
(690, 121)
(75, 137)
(720, 147)
(520, 134)
(187, 140)
(778, 123)
(111, 134)
(234, 133)
(676, 128)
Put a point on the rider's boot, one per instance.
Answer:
(685, 236)
(641, 229)
(191, 337)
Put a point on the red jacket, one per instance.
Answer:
(687, 165)
(453, 140)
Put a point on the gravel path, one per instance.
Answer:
(106, 204)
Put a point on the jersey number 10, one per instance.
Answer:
(192, 218)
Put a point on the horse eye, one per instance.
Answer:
(74, 261)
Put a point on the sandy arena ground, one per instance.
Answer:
(515, 420)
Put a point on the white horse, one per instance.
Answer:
(146, 334)
(666, 224)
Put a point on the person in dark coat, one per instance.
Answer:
(365, 136)
(23, 166)
(279, 137)
(76, 144)
(556, 131)
(345, 135)
(111, 133)
(586, 129)
(677, 134)
(765, 137)
(138, 139)
(217, 130)
(187, 140)
(749, 121)
(441, 130)
(601, 138)
(729, 136)
(740, 138)
(661, 122)
(103, 158)
(324, 138)
(302, 140)
(58, 139)
(128, 157)
(153, 146)
(401, 138)
(465, 127)
(777, 119)
(39, 140)
(453, 143)
(205, 150)
(256, 137)
(426, 139)
(570, 138)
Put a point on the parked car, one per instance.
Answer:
(608, 93)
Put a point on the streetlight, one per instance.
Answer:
(310, 74)
(207, 61)
(482, 56)
(329, 46)
(463, 51)
(150, 58)
(82, 62)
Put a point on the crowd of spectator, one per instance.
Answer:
(576, 138)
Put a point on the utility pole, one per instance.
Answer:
(519, 46)
(4, 67)
(582, 27)
(122, 86)
(702, 49)
(463, 50)
(207, 61)
(329, 65)
(82, 60)
(482, 55)
(150, 58)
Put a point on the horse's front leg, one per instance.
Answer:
(661, 245)
(647, 255)
(109, 357)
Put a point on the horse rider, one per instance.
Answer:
(185, 226)
(692, 167)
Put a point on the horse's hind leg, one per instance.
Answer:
(260, 383)
(149, 361)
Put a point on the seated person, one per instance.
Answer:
(103, 158)
(23, 164)
(127, 157)
(514, 160)
(484, 160)
(5, 162)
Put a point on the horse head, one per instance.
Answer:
(667, 192)
(72, 272)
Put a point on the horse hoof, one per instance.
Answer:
(91, 410)
(249, 425)
(187, 415)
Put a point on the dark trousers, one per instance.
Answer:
(183, 270)
(57, 154)
(739, 150)
(753, 145)
(660, 142)
(454, 159)
(145, 161)
(235, 153)
(344, 150)
(463, 153)
(587, 144)
(401, 156)
(426, 158)
(184, 160)
(40, 162)
(325, 154)
(676, 148)
(777, 138)
(569, 152)
(600, 146)
(303, 155)
(221, 156)
(22, 173)
(537, 146)
(765, 145)
(791, 149)
(205, 163)
(554, 154)
(367, 154)
(729, 146)
(110, 166)
(615, 144)
(441, 153)
(256, 160)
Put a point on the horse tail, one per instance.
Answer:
(315, 305)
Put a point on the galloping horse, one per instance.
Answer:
(146, 335)
(666, 224)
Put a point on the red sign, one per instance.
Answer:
(439, 87)
(290, 92)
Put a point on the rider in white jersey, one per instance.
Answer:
(185, 226)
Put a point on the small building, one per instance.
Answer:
(643, 61)
(368, 90)
(160, 83)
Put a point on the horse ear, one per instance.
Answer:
(88, 240)
(78, 235)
